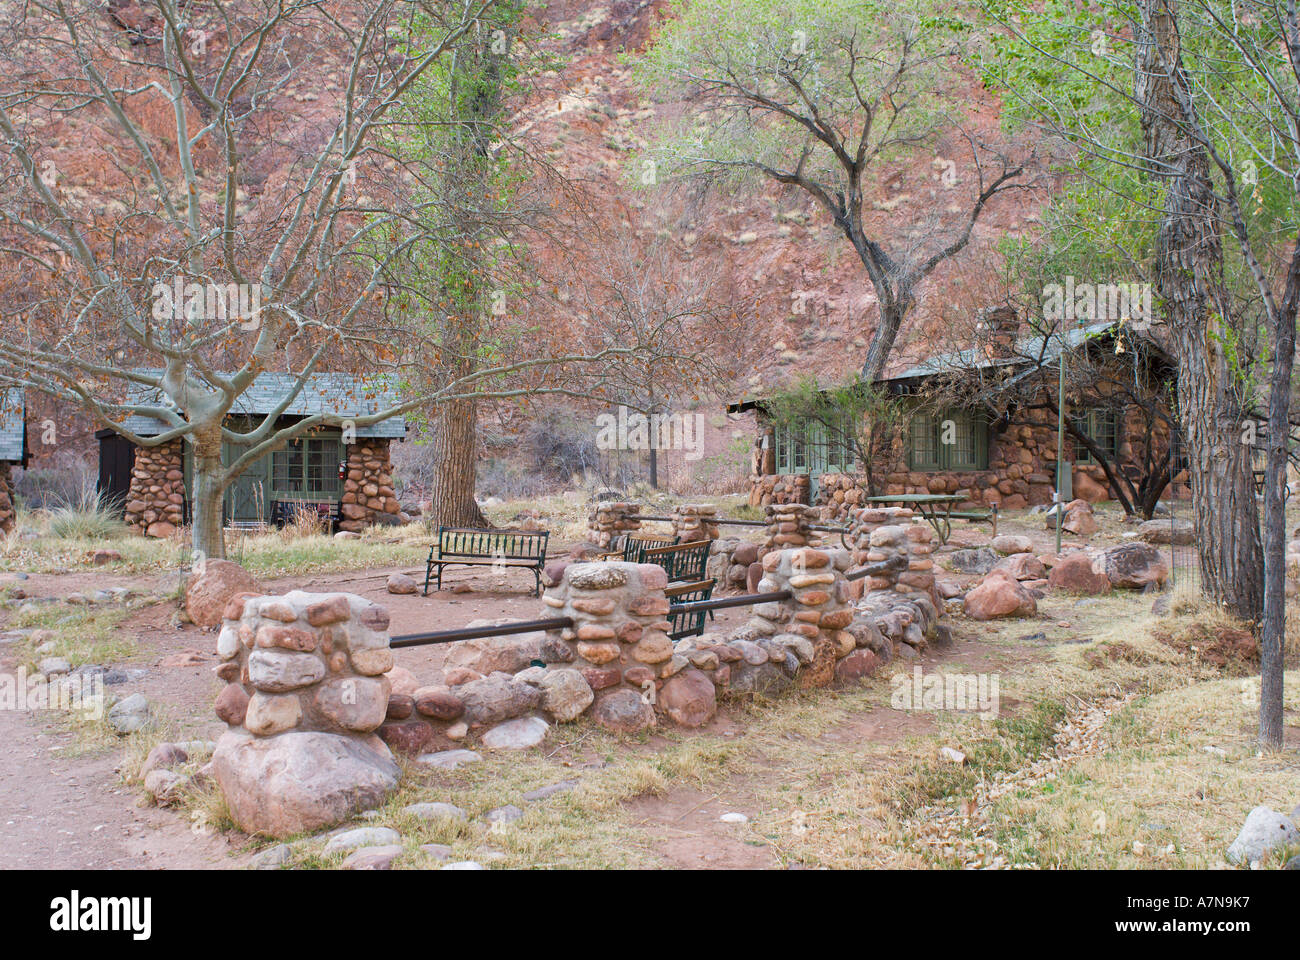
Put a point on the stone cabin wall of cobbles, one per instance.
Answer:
(7, 511)
(155, 501)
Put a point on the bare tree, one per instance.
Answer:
(822, 97)
(210, 193)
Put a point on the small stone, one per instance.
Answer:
(272, 857)
(507, 814)
(541, 793)
(55, 666)
(734, 818)
(400, 583)
(435, 811)
(448, 759)
(463, 865)
(439, 851)
(518, 734)
(362, 837)
(373, 858)
(952, 755)
(129, 715)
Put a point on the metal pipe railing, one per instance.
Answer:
(723, 603)
(825, 528)
(475, 633)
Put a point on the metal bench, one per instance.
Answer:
(688, 623)
(524, 549)
(684, 562)
(634, 547)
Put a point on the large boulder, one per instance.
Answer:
(1079, 518)
(1022, 566)
(689, 699)
(1264, 831)
(1007, 544)
(623, 711)
(1136, 566)
(565, 694)
(208, 593)
(1079, 573)
(1000, 595)
(300, 781)
(508, 654)
(1178, 532)
(494, 699)
(978, 560)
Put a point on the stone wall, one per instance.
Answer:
(7, 512)
(901, 601)
(1021, 471)
(368, 485)
(788, 526)
(155, 503)
(305, 694)
(778, 488)
(611, 520)
(695, 521)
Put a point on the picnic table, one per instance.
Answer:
(936, 508)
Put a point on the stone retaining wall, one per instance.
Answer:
(788, 526)
(155, 503)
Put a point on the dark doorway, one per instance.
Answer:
(116, 460)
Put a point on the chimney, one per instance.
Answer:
(999, 328)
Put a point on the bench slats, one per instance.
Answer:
(524, 549)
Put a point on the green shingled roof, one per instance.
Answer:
(342, 394)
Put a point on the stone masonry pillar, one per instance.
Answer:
(305, 692)
(610, 520)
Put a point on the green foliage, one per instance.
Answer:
(1069, 70)
(743, 53)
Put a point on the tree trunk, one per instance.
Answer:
(1273, 624)
(1189, 278)
(206, 533)
(455, 448)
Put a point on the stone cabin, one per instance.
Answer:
(13, 450)
(344, 479)
(997, 452)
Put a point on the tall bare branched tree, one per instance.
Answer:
(192, 195)
(823, 97)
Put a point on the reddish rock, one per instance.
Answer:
(400, 707)
(623, 711)
(1022, 566)
(1078, 573)
(688, 699)
(438, 702)
(1135, 566)
(232, 704)
(459, 676)
(375, 617)
(207, 594)
(821, 670)
(599, 678)
(999, 596)
(753, 575)
(400, 583)
(638, 676)
(858, 664)
(287, 638)
(411, 737)
(235, 606)
(334, 610)
(228, 672)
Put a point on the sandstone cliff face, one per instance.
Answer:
(808, 305)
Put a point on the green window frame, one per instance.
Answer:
(1101, 426)
(808, 447)
(969, 449)
(307, 469)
